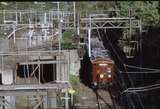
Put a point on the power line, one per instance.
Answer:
(147, 72)
(124, 67)
(126, 72)
(132, 66)
(140, 90)
(149, 86)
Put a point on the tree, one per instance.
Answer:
(147, 11)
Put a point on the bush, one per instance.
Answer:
(75, 82)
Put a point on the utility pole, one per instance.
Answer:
(78, 25)
(59, 25)
(89, 37)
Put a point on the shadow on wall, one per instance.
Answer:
(86, 70)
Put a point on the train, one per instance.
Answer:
(103, 69)
(98, 70)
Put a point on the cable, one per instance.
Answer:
(113, 48)
(131, 66)
(147, 72)
(141, 90)
(125, 69)
(131, 83)
(120, 74)
(128, 97)
(149, 86)
(115, 52)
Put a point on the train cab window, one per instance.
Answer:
(99, 53)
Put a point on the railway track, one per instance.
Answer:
(105, 99)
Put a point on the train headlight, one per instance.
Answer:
(101, 76)
(109, 76)
(95, 83)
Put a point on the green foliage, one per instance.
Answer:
(105, 5)
(75, 82)
(91, 6)
(67, 40)
(67, 36)
(68, 46)
(147, 11)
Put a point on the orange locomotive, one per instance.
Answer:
(103, 70)
(98, 69)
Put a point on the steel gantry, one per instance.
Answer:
(104, 21)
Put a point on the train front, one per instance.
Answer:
(102, 68)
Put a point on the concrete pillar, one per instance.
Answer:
(52, 101)
(45, 102)
(66, 100)
(7, 78)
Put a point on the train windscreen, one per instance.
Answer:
(99, 53)
(98, 50)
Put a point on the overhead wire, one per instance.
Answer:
(132, 84)
(143, 72)
(140, 90)
(145, 88)
(98, 96)
(124, 68)
(149, 86)
(153, 71)
(132, 66)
